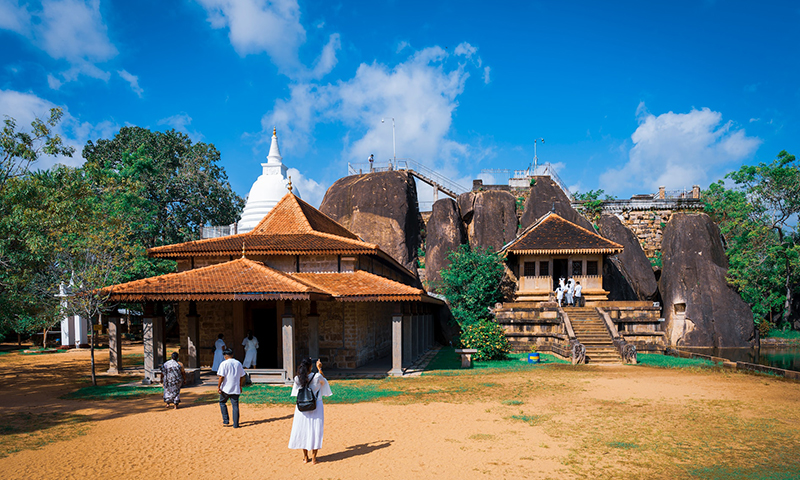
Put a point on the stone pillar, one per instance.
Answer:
(159, 343)
(114, 345)
(313, 336)
(397, 344)
(662, 194)
(68, 332)
(81, 332)
(287, 330)
(407, 340)
(435, 194)
(695, 191)
(148, 337)
(193, 337)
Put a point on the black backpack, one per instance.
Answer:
(306, 400)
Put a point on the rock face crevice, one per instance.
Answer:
(627, 275)
(547, 196)
(445, 233)
(700, 307)
(381, 208)
(490, 218)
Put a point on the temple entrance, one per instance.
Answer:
(559, 271)
(265, 327)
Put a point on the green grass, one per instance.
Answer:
(27, 431)
(668, 361)
(344, 391)
(787, 335)
(735, 473)
(448, 362)
(106, 392)
(531, 420)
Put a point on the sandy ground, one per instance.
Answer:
(141, 439)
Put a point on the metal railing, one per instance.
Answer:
(545, 169)
(419, 170)
(218, 231)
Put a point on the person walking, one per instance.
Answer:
(308, 426)
(570, 292)
(559, 294)
(251, 350)
(173, 377)
(578, 297)
(219, 347)
(231, 380)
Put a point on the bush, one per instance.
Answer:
(764, 328)
(487, 337)
(472, 283)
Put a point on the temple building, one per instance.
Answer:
(267, 190)
(305, 286)
(553, 248)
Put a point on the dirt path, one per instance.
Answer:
(535, 424)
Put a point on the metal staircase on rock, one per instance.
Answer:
(591, 331)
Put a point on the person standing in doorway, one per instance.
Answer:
(173, 377)
(219, 347)
(231, 380)
(251, 350)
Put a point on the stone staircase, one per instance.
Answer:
(591, 331)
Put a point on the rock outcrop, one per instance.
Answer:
(490, 218)
(545, 196)
(445, 232)
(700, 308)
(627, 275)
(381, 208)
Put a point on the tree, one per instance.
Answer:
(591, 206)
(472, 283)
(757, 221)
(181, 181)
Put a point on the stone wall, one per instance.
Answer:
(639, 325)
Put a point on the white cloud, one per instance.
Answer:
(70, 30)
(420, 94)
(180, 122)
(133, 80)
(14, 17)
(678, 150)
(271, 27)
(402, 46)
(486, 75)
(25, 107)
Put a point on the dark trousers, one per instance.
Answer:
(223, 400)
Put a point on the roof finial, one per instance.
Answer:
(289, 186)
(243, 249)
(274, 131)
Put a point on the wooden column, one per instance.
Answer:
(287, 337)
(193, 337)
(114, 345)
(397, 344)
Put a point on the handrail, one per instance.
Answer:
(407, 164)
(612, 329)
(567, 323)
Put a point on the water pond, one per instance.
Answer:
(787, 358)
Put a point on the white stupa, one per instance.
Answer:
(269, 187)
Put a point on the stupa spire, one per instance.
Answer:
(274, 152)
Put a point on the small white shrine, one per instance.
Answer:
(267, 190)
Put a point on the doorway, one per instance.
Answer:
(559, 271)
(264, 323)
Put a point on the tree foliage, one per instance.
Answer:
(472, 283)
(757, 219)
(591, 206)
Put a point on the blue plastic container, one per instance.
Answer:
(533, 357)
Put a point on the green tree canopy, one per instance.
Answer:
(472, 283)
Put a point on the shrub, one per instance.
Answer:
(487, 337)
(472, 283)
(764, 328)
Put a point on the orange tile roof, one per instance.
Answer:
(361, 286)
(292, 227)
(240, 279)
(553, 235)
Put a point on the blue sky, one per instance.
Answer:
(627, 95)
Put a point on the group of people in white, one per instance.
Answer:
(308, 423)
(569, 293)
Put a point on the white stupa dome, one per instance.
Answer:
(269, 187)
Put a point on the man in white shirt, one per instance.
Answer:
(578, 297)
(231, 380)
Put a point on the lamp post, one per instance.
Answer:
(535, 158)
(394, 142)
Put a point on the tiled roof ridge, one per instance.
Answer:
(194, 242)
(359, 242)
(556, 217)
(559, 217)
(319, 212)
(361, 273)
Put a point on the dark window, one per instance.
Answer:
(544, 269)
(577, 268)
(591, 267)
(530, 269)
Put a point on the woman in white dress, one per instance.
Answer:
(307, 427)
(219, 346)
(251, 349)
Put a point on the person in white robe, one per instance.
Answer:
(570, 292)
(251, 350)
(219, 346)
(559, 294)
(307, 427)
(578, 295)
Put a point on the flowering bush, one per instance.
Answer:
(487, 337)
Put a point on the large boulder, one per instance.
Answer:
(700, 308)
(627, 275)
(381, 208)
(547, 196)
(445, 232)
(490, 217)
